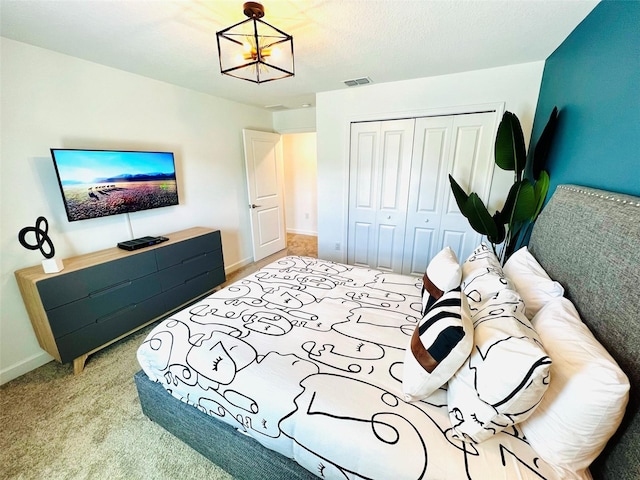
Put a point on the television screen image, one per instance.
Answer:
(98, 183)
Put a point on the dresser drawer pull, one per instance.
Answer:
(194, 257)
(203, 274)
(110, 288)
(120, 311)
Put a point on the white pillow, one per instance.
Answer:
(444, 272)
(587, 397)
(481, 257)
(482, 278)
(506, 376)
(531, 281)
(439, 345)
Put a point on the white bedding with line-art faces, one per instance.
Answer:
(306, 356)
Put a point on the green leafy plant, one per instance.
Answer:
(526, 196)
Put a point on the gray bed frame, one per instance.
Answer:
(587, 239)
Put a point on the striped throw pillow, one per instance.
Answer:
(440, 344)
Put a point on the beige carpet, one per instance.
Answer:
(54, 425)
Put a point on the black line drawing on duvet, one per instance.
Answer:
(280, 356)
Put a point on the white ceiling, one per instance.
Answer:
(334, 40)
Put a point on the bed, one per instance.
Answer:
(304, 360)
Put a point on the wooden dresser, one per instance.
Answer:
(104, 296)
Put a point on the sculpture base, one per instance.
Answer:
(52, 265)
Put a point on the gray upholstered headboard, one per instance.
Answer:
(589, 241)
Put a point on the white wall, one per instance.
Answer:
(301, 192)
(295, 121)
(514, 86)
(53, 100)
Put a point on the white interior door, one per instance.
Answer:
(456, 144)
(265, 185)
(472, 164)
(427, 190)
(378, 182)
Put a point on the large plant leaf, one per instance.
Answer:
(520, 204)
(458, 193)
(474, 210)
(479, 218)
(541, 189)
(525, 203)
(510, 152)
(514, 230)
(519, 232)
(501, 230)
(509, 203)
(541, 152)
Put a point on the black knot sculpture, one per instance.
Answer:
(42, 240)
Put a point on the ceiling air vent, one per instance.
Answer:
(276, 108)
(357, 81)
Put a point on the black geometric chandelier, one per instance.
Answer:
(255, 51)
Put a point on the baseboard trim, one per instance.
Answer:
(25, 366)
(302, 232)
(238, 265)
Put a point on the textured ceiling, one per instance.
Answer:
(334, 40)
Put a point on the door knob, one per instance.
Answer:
(253, 205)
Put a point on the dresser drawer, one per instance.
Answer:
(106, 329)
(183, 293)
(181, 252)
(188, 269)
(102, 304)
(71, 286)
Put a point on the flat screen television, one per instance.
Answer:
(98, 183)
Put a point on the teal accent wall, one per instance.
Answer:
(594, 80)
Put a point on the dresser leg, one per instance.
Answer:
(78, 363)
